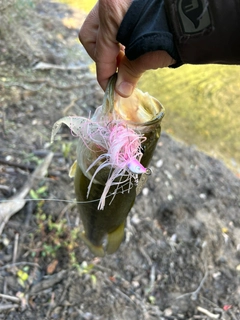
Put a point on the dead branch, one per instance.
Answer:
(48, 66)
(48, 283)
(11, 298)
(17, 202)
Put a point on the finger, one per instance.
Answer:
(106, 59)
(129, 72)
(89, 32)
(103, 51)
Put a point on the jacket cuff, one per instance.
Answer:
(205, 31)
(145, 28)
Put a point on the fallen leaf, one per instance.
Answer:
(52, 266)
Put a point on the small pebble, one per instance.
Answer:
(5, 241)
(170, 197)
(177, 165)
(34, 122)
(135, 219)
(167, 312)
(87, 316)
(135, 284)
(216, 274)
(8, 158)
(145, 191)
(168, 174)
(159, 163)
(173, 238)
(84, 264)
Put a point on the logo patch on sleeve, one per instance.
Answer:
(194, 15)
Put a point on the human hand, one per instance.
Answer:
(98, 36)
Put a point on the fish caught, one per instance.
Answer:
(114, 149)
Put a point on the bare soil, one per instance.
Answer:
(181, 255)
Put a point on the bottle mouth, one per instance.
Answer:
(140, 109)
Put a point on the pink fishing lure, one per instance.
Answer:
(120, 148)
(112, 145)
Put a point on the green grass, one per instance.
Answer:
(85, 5)
(202, 106)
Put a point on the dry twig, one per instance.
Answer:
(15, 247)
(8, 306)
(11, 298)
(208, 313)
(22, 263)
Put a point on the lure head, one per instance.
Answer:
(136, 167)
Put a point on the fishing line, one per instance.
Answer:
(58, 200)
(49, 199)
(113, 194)
(119, 189)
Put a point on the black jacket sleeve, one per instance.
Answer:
(191, 31)
(206, 31)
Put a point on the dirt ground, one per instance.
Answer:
(181, 255)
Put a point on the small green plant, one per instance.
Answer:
(30, 157)
(56, 236)
(50, 250)
(58, 227)
(84, 268)
(40, 192)
(152, 299)
(66, 149)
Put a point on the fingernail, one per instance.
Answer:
(125, 89)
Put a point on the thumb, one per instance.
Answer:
(129, 72)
